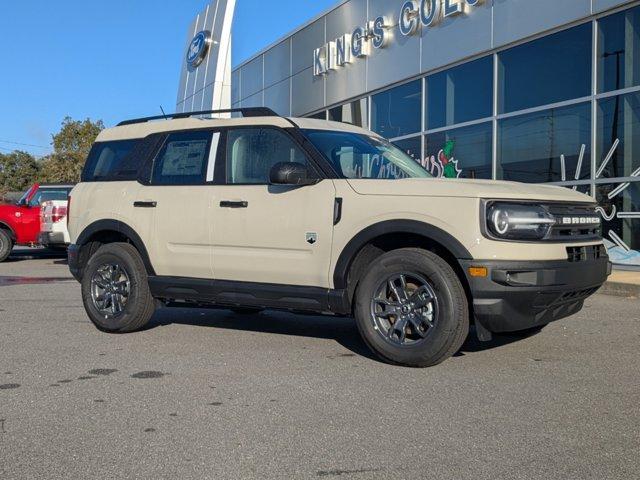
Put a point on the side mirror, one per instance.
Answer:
(290, 173)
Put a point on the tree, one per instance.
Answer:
(71, 146)
(18, 170)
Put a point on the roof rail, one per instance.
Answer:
(246, 112)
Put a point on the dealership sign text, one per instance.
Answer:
(376, 33)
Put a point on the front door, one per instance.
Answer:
(265, 233)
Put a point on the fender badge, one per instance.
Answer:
(312, 238)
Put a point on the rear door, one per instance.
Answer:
(176, 205)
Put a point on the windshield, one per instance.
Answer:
(358, 156)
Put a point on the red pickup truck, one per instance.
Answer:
(20, 222)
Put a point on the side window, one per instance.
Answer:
(183, 159)
(107, 161)
(252, 152)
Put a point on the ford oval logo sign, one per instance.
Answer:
(198, 49)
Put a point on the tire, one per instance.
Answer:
(434, 332)
(6, 245)
(246, 310)
(122, 261)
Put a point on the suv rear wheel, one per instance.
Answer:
(115, 289)
(6, 244)
(411, 308)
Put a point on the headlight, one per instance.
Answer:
(513, 221)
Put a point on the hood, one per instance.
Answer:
(489, 189)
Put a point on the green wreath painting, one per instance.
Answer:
(445, 166)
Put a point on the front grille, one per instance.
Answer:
(581, 254)
(570, 231)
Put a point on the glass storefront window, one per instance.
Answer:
(586, 189)
(397, 112)
(460, 94)
(319, 116)
(618, 137)
(619, 51)
(548, 146)
(552, 69)
(461, 152)
(620, 209)
(411, 146)
(354, 113)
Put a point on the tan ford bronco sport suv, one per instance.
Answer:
(264, 212)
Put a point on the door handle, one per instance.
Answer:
(145, 204)
(230, 204)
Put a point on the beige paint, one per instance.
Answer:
(190, 235)
(266, 242)
(141, 130)
(177, 238)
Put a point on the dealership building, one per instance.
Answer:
(539, 91)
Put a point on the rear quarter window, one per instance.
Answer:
(111, 161)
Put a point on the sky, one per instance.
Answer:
(110, 60)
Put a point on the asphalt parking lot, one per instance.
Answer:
(206, 394)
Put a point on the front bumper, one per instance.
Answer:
(73, 259)
(521, 295)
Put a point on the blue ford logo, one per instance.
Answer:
(198, 48)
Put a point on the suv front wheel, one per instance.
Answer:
(411, 308)
(115, 289)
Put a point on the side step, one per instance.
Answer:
(249, 294)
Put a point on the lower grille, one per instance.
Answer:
(581, 254)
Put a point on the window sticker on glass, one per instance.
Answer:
(184, 158)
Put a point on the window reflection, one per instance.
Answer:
(460, 94)
(411, 146)
(548, 146)
(619, 51)
(618, 137)
(549, 70)
(461, 152)
(319, 116)
(397, 112)
(620, 209)
(354, 113)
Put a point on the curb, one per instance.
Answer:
(619, 289)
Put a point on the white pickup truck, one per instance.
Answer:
(53, 224)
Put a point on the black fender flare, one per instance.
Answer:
(109, 225)
(425, 230)
(6, 226)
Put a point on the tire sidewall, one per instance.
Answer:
(6, 245)
(450, 314)
(137, 279)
